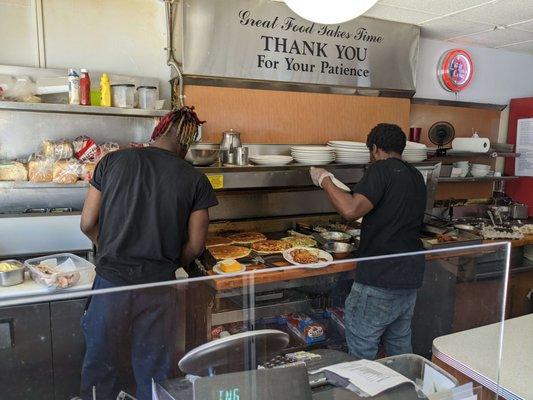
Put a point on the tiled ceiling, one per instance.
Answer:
(501, 24)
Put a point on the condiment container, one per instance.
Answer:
(123, 95)
(12, 278)
(147, 96)
(85, 88)
(70, 270)
(73, 87)
(105, 91)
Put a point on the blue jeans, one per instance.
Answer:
(148, 317)
(373, 314)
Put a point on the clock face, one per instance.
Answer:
(455, 70)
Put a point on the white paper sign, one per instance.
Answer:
(369, 376)
(524, 146)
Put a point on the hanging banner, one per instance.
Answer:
(264, 40)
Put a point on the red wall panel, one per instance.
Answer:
(520, 190)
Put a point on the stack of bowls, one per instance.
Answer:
(480, 170)
(464, 166)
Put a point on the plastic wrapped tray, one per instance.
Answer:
(58, 271)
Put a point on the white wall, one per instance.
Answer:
(499, 75)
(119, 36)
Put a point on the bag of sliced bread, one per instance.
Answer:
(66, 171)
(13, 171)
(40, 169)
(57, 150)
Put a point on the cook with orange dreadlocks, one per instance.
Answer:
(146, 211)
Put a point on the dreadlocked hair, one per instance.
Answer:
(187, 125)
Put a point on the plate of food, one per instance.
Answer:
(300, 241)
(229, 252)
(246, 237)
(228, 266)
(307, 255)
(265, 247)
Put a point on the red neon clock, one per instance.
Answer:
(455, 70)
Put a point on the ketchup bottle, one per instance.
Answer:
(85, 88)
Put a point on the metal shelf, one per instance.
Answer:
(75, 109)
(465, 154)
(474, 179)
(45, 185)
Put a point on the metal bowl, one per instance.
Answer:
(203, 154)
(12, 278)
(336, 236)
(339, 249)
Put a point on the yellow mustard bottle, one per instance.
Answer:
(105, 91)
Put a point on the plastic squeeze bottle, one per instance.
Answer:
(85, 88)
(105, 91)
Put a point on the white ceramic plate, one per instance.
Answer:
(305, 162)
(346, 143)
(414, 145)
(321, 254)
(311, 148)
(271, 160)
(218, 271)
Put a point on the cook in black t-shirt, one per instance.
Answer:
(147, 213)
(391, 198)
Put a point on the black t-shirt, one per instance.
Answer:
(397, 191)
(147, 197)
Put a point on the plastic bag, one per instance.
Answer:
(23, 89)
(108, 147)
(40, 169)
(66, 171)
(87, 171)
(85, 149)
(58, 150)
(13, 171)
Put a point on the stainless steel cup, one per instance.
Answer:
(241, 155)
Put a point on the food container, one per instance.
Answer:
(12, 278)
(147, 96)
(413, 367)
(336, 236)
(339, 250)
(203, 154)
(123, 95)
(65, 270)
(518, 211)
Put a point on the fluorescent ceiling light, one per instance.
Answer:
(330, 11)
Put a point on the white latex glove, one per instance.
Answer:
(318, 175)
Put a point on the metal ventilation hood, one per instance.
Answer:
(263, 45)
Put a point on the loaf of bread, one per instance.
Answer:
(87, 171)
(40, 170)
(66, 171)
(59, 150)
(13, 171)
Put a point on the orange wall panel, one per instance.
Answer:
(268, 116)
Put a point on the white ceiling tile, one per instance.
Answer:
(502, 12)
(398, 14)
(524, 26)
(521, 48)
(450, 27)
(438, 7)
(496, 38)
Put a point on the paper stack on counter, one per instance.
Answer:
(464, 392)
(364, 377)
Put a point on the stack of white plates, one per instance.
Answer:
(350, 152)
(415, 152)
(271, 160)
(312, 155)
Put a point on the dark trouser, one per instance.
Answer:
(373, 314)
(149, 316)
